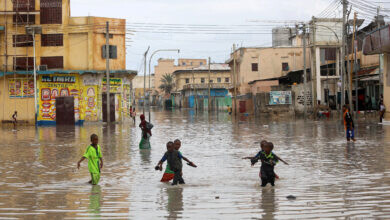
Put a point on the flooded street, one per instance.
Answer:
(329, 177)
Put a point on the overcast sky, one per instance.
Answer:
(211, 12)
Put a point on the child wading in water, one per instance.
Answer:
(268, 161)
(94, 156)
(169, 174)
(173, 157)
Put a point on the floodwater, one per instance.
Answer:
(330, 178)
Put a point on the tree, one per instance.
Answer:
(167, 83)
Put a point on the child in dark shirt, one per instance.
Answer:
(173, 157)
(268, 161)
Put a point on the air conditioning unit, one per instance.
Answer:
(42, 68)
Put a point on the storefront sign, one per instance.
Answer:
(115, 85)
(280, 98)
(21, 88)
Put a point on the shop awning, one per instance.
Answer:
(49, 72)
(370, 78)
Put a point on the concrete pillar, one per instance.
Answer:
(318, 74)
(386, 85)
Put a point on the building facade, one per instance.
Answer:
(70, 62)
(168, 66)
(196, 85)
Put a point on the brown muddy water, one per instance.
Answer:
(329, 178)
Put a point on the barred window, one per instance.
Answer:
(51, 11)
(54, 40)
(23, 5)
(53, 62)
(23, 19)
(22, 40)
(23, 63)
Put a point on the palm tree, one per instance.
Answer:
(167, 83)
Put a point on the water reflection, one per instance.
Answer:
(175, 202)
(95, 201)
(267, 204)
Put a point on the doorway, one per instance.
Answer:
(65, 110)
(112, 107)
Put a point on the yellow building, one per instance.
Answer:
(195, 85)
(168, 66)
(69, 61)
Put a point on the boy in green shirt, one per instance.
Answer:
(94, 155)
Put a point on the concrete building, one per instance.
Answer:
(168, 66)
(69, 59)
(264, 63)
(376, 43)
(281, 36)
(193, 86)
(138, 89)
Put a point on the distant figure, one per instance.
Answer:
(14, 120)
(382, 110)
(146, 128)
(368, 103)
(229, 109)
(131, 111)
(268, 161)
(168, 173)
(349, 126)
(94, 156)
(134, 114)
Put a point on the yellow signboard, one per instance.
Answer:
(21, 88)
(90, 98)
(52, 86)
(115, 85)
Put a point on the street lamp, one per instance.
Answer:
(34, 29)
(150, 60)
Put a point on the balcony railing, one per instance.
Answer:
(206, 86)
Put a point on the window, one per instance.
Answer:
(184, 63)
(22, 40)
(201, 63)
(23, 63)
(112, 52)
(53, 62)
(285, 67)
(51, 11)
(187, 80)
(52, 40)
(219, 80)
(211, 81)
(24, 5)
(255, 67)
(226, 79)
(21, 19)
(202, 80)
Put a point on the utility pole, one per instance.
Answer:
(145, 54)
(344, 2)
(379, 55)
(352, 63)
(108, 107)
(234, 80)
(304, 70)
(209, 104)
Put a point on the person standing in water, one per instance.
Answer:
(146, 133)
(349, 126)
(14, 121)
(134, 114)
(94, 156)
(382, 110)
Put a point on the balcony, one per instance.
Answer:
(206, 86)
